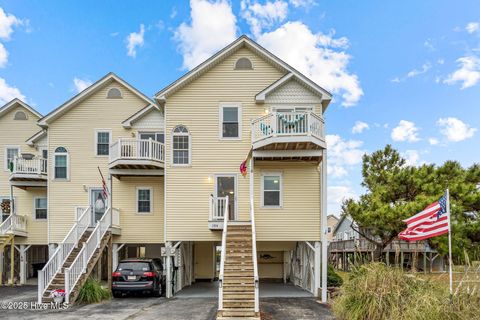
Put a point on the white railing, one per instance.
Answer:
(223, 255)
(277, 124)
(55, 263)
(137, 149)
(14, 222)
(217, 207)
(254, 256)
(80, 264)
(30, 166)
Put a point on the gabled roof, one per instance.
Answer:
(138, 115)
(17, 102)
(332, 216)
(36, 137)
(241, 42)
(339, 223)
(65, 107)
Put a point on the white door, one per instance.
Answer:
(226, 185)
(98, 204)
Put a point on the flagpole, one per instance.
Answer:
(449, 244)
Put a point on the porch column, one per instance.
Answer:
(109, 262)
(323, 202)
(115, 250)
(317, 267)
(168, 258)
(2, 255)
(51, 249)
(22, 250)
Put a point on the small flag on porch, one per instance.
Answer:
(104, 185)
(433, 221)
(243, 165)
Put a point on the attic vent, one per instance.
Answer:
(114, 93)
(20, 115)
(243, 64)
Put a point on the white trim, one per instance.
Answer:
(121, 93)
(13, 103)
(97, 131)
(155, 132)
(189, 146)
(54, 161)
(26, 116)
(35, 208)
(14, 206)
(151, 200)
(128, 123)
(262, 176)
(37, 136)
(237, 105)
(227, 175)
(5, 155)
(286, 153)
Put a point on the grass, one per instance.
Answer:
(376, 292)
(93, 292)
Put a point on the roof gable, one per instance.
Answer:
(140, 115)
(18, 103)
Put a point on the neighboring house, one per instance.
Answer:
(331, 224)
(172, 165)
(349, 246)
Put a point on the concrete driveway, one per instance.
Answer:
(300, 308)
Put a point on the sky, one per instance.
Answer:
(405, 73)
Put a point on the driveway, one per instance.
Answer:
(301, 308)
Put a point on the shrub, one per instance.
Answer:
(376, 292)
(333, 279)
(92, 292)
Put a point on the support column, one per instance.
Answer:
(2, 255)
(317, 267)
(323, 202)
(115, 250)
(22, 250)
(12, 260)
(109, 262)
(168, 259)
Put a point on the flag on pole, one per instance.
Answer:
(243, 165)
(104, 185)
(433, 221)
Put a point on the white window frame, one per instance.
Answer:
(35, 209)
(235, 178)
(280, 175)
(293, 108)
(220, 120)
(95, 152)
(5, 157)
(155, 132)
(189, 146)
(41, 149)
(137, 189)
(14, 204)
(55, 154)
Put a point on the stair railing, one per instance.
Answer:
(80, 264)
(254, 256)
(6, 225)
(56, 261)
(223, 256)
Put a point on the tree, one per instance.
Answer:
(395, 191)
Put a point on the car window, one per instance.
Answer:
(134, 266)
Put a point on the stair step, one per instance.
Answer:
(238, 312)
(239, 304)
(242, 289)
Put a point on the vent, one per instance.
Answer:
(114, 93)
(243, 64)
(20, 115)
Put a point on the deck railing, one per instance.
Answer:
(29, 166)
(47, 274)
(223, 255)
(218, 207)
(14, 222)
(276, 124)
(365, 245)
(137, 149)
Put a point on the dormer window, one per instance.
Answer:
(243, 64)
(20, 115)
(114, 93)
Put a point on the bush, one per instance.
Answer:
(333, 279)
(92, 292)
(376, 292)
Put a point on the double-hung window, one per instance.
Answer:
(40, 208)
(272, 190)
(230, 117)
(102, 145)
(144, 200)
(10, 154)
(181, 146)
(61, 163)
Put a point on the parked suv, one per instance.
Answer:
(138, 275)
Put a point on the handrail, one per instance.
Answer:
(54, 264)
(254, 256)
(223, 256)
(217, 208)
(37, 165)
(138, 149)
(6, 225)
(80, 264)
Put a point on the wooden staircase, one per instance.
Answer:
(238, 278)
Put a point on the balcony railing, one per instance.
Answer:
(217, 208)
(365, 245)
(282, 124)
(36, 165)
(137, 149)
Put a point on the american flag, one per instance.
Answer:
(431, 222)
(104, 185)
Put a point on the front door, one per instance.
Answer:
(98, 204)
(226, 186)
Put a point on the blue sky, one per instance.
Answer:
(402, 72)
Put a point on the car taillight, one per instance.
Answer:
(149, 274)
(116, 274)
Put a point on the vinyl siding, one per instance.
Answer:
(292, 92)
(188, 188)
(37, 229)
(75, 130)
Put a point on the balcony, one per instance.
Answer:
(29, 172)
(218, 206)
(352, 245)
(288, 135)
(129, 156)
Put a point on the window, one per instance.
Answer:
(243, 64)
(114, 93)
(10, 154)
(102, 142)
(40, 208)
(144, 200)
(272, 190)
(61, 163)
(230, 122)
(156, 136)
(181, 146)
(20, 115)
(44, 153)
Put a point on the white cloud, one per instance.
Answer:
(303, 3)
(429, 45)
(415, 72)
(317, 56)
(335, 197)
(7, 22)
(405, 131)
(173, 13)
(411, 157)
(360, 126)
(7, 92)
(455, 129)
(336, 171)
(81, 84)
(342, 154)
(468, 72)
(472, 27)
(3, 56)
(134, 40)
(213, 26)
(433, 141)
(260, 16)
